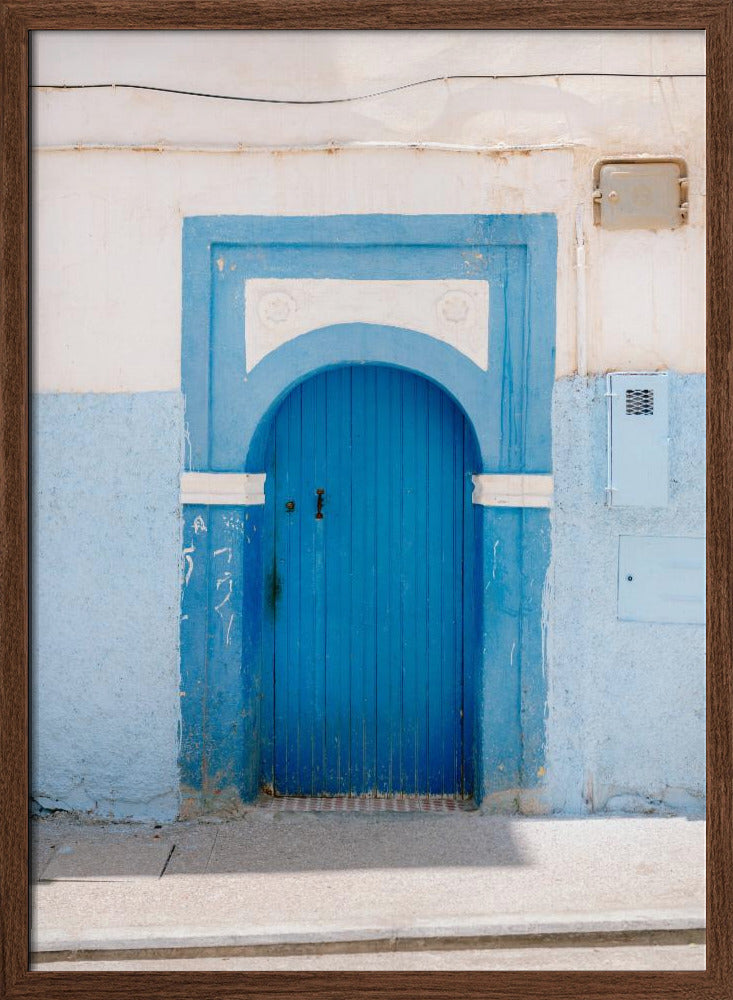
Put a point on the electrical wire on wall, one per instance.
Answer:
(365, 97)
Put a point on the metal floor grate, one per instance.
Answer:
(344, 803)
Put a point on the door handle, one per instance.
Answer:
(319, 505)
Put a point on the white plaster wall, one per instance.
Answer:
(324, 62)
(107, 221)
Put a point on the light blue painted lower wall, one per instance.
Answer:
(626, 700)
(106, 557)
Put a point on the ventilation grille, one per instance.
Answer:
(639, 402)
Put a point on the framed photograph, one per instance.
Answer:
(365, 580)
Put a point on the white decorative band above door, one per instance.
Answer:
(223, 488)
(277, 310)
(494, 490)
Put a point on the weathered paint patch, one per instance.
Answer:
(219, 673)
(516, 554)
(106, 562)
(626, 722)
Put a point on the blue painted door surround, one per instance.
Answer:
(365, 585)
(229, 415)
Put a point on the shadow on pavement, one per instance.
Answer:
(264, 840)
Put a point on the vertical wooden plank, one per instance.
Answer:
(451, 722)
(292, 589)
(358, 580)
(279, 600)
(291, 658)
(330, 640)
(374, 379)
(409, 586)
(398, 489)
(305, 664)
(321, 480)
(364, 583)
(383, 541)
(433, 507)
(338, 575)
(297, 566)
(284, 691)
(283, 600)
(354, 511)
(442, 603)
(392, 741)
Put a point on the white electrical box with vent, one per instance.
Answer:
(638, 439)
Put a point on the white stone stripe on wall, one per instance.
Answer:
(277, 310)
(512, 490)
(223, 488)
(249, 488)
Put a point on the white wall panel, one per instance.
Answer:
(107, 222)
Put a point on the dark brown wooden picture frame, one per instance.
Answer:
(19, 18)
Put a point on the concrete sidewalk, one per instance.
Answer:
(274, 882)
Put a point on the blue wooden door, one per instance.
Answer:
(369, 589)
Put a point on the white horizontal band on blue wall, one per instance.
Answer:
(249, 488)
(493, 490)
(223, 488)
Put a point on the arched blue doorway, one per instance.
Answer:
(370, 553)
(231, 402)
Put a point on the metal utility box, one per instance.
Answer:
(661, 579)
(640, 194)
(638, 439)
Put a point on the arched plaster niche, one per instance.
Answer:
(277, 310)
(360, 343)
